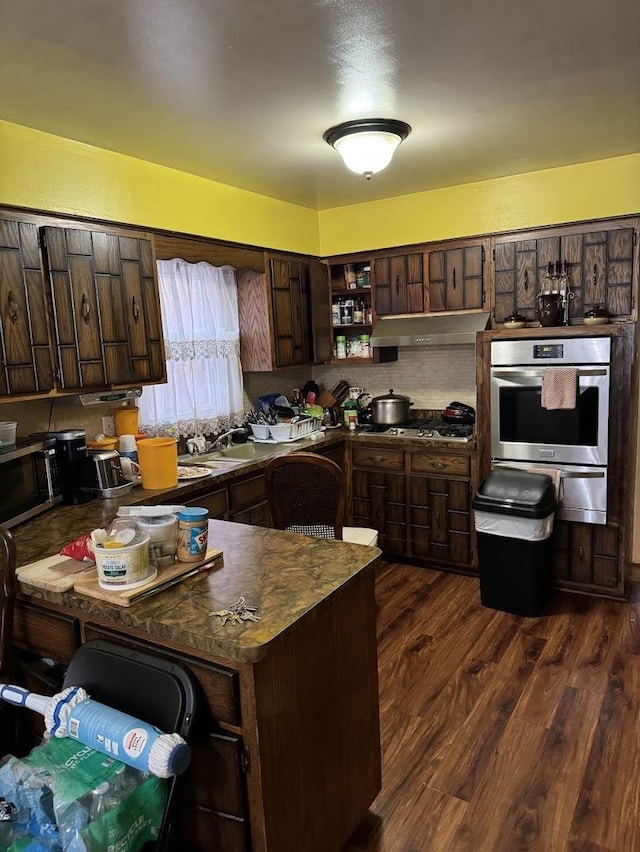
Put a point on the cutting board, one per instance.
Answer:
(54, 573)
(169, 575)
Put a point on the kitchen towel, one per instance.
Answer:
(556, 476)
(559, 387)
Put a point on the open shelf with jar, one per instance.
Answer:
(352, 315)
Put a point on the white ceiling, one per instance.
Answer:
(241, 91)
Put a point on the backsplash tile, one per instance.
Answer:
(431, 376)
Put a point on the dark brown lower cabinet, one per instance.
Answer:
(587, 557)
(378, 495)
(439, 520)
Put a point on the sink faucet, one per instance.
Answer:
(229, 436)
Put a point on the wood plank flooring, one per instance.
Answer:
(502, 733)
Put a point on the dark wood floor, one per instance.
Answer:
(504, 733)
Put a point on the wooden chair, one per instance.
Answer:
(7, 598)
(307, 495)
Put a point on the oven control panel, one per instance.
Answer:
(548, 350)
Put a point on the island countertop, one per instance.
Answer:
(284, 574)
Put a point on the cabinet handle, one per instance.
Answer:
(581, 553)
(526, 280)
(14, 309)
(85, 309)
(135, 310)
(454, 278)
(595, 274)
(398, 284)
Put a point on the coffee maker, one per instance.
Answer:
(70, 463)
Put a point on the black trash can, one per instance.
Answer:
(514, 512)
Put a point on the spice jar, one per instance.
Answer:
(193, 534)
(341, 346)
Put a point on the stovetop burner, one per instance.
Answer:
(429, 429)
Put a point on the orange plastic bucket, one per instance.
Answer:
(126, 420)
(158, 460)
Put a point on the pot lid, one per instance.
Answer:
(392, 397)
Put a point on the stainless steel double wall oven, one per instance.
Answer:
(574, 441)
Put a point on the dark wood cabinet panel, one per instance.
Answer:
(106, 309)
(587, 556)
(25, 357)
(291, 294)
(399, 284)
(456, 278)
(379, 502)
(439, 510)
(46, 634)
(599, 264)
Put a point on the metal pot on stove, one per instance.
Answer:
(392, 409)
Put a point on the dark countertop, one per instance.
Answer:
(285, 575)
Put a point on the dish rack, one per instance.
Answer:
(286, 432)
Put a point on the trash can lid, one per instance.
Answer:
(517, 493)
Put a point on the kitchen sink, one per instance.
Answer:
(248, 451)
(230, 455)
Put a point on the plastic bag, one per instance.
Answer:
(67, 796)
(79, 548)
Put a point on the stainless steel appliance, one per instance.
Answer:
(27, 473)
(426, 430)
(102, 474)
(573, 441)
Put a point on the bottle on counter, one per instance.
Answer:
(193, 533)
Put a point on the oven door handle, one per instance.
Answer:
(537, 374)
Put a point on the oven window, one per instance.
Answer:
(524, 420)
(19, 487)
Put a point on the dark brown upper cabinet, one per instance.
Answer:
(26, 365)
(284, 314)
(456, 278)
(399, 284)
(599, 257)
(106, 311)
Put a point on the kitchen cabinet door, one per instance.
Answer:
(439, 508)
(599, 260)
(25, 357)
(587, 557)
(456, 278)
(106, 308)
(378, 495)
(291, 294)
(399, 284)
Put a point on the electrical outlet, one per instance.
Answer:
(108, 427)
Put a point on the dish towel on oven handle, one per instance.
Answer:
(556, 476)
(559, 387)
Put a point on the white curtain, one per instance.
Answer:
(203, 393)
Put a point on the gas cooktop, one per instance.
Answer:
(432, 430)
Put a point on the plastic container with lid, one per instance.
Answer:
(123, 566)
(193, 534)
(126, 420)
(8, 430)
(163, 537)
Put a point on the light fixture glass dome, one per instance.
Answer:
(367, 145)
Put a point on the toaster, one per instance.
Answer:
(103, 476)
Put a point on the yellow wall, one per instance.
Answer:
(47, 172)
(585, 191)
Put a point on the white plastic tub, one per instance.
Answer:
(8, 430)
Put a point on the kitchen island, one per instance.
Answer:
(287, 757)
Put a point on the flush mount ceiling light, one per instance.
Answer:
(367, 144)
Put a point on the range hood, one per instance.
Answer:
(433, 330)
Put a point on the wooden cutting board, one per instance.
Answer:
(170, 575)
(54, 573)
